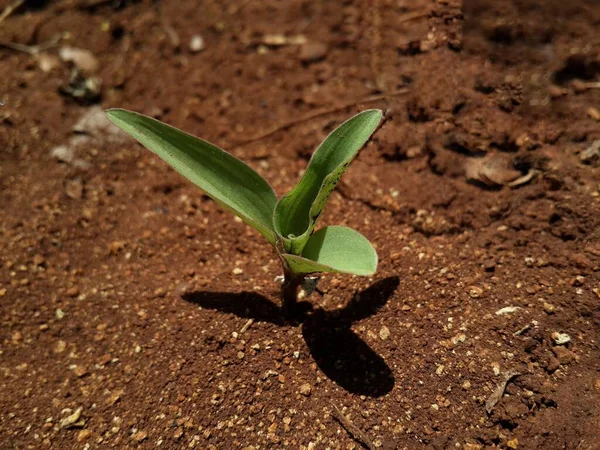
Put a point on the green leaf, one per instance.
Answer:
(297, 212)
(223, 177)
(335, 249)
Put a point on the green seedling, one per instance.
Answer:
(289, 223)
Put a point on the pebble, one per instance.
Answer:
(80, 371)
(17, 337)
(114, 397)
(196, 43)
(83, 435)
(591, 154)
(513, 443)
(305, 389)
(384, 333)
(73, 420)
(563, 354)
(594, 113)
(46, 62)
(60, 347)
(489, 265)
(139, 436)
(74, 189)
(507, 310)
(561, 338)
(475, 291)
(59, 314)
(237, 271)
(73, 291)
(548, 308)
(103, 360)
(81, 58)
(312, 52)
(2, 292)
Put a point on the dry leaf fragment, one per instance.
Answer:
(499, 392)
(492, 170)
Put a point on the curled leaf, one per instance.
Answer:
(297, 212)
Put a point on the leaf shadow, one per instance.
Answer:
(340, 354)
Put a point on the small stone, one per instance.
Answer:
(17, 337)
(47, 62)
(305, 389)
(80, 371)
(237, 271)
(466, 385)
(83, 435)
(489, 265)
(561, 338)
(105, 359)
(563, 354)
(312, 52)
(469, 446)
(72, 420)
(60, 346)
(507, 310)
(384, 333)
(591, 154)
(2, 292)
(513, 443)
(38, 260)
(81, 58)
(59, 314)
(178, 433)
(552, 364)
(475, 292)
(196, 43)
(548, 308)
(73, 291)
(74, 189)
(594, 113)
(114, 397)
(160, 292)
(139, 436)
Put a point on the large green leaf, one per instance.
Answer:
(335, 249)
(297, 212)
(223, 177)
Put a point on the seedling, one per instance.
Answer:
(289, 223)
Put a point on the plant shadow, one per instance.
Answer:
(342, 355)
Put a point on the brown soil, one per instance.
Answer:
(118, 291)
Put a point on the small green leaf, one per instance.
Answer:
(335, 249)
(222, 176)
(297, 212)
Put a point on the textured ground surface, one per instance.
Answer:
(137, 314)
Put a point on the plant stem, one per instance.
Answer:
(289, 292)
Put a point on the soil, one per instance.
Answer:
(138, 314)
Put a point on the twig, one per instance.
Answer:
(31, 49)
(246, 326)
(356, 433)
(522, 330)
(412, 16)
(10, 9)
(292, 123)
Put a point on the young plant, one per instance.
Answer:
(288, 224)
